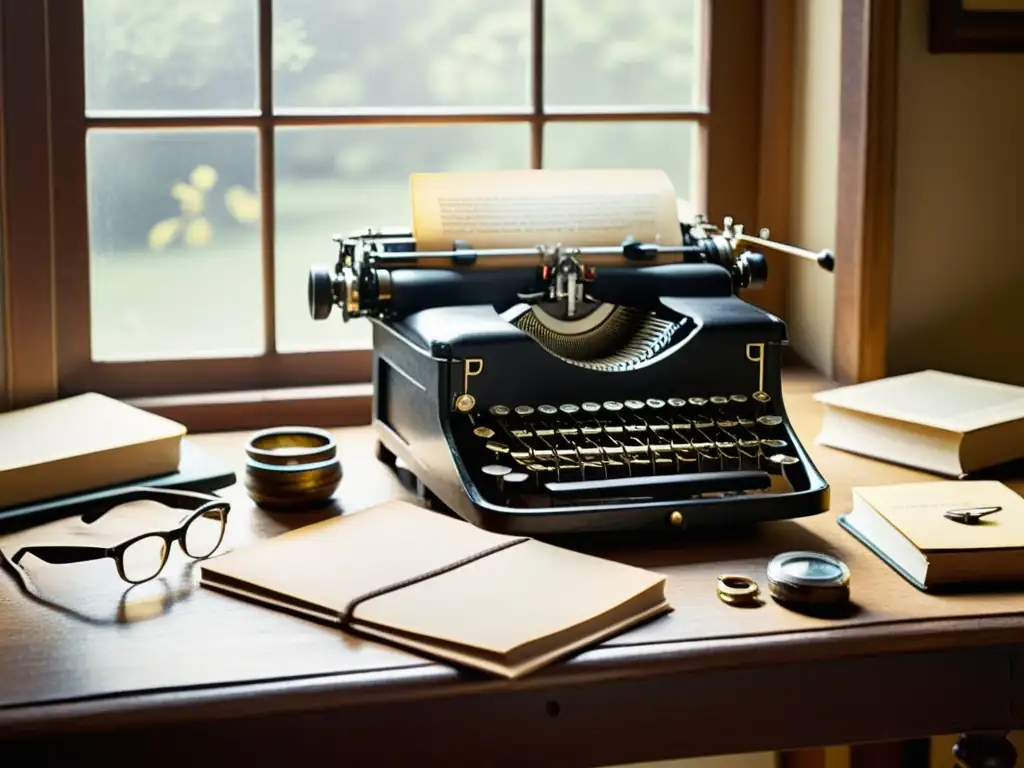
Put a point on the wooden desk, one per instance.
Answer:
(173, 672)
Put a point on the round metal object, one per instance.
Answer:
(465, 403)
(484, 432)
(653, 402)
(569, 408)
(762, 397)
(769, 443)
(676, 518)
(783, 460)
(496, 470)
(719, 400)
(591, 407)
(698, 401)
(809, 578)
(738, 590)
(516, 477)
(284, 446)
(612, 405)
(499, 410)
(738, 398)
(769, 421)
(547, 410)
(677, 402)
(524, 410)
(292, 468)
(634, 405)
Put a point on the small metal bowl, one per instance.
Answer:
(292, 468)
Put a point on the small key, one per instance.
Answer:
(484, 432)
(783, 460)
(769, 421)
(547, 410)
(762, 397)
(524, 410)
(591, 407)
(499, 410)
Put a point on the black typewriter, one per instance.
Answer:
(551, 390)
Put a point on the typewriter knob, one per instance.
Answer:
(755, 268)
(321, 292)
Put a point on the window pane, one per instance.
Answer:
(174, 232)
(669, 145)
(609, 52)
(401, 53)
(342, 180)
(170, 54)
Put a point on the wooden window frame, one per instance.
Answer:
(47, 244)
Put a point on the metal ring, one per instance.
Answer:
(737, 589)
(286, 446)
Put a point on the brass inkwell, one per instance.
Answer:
(292, 467)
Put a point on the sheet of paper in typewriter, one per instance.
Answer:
(523, 209)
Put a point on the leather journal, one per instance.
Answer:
(442, 587)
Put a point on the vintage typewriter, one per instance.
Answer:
(552, 390)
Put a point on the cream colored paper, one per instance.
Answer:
(524, 209)
(506, 613)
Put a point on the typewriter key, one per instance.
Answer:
(719, 400)
(738, 398)
(612, 405)
(524, 410)
(496, 447)
(677, 402)
(591, 407)
(634, 405)
(769, 421)
(698, 401)
(768, 443)
(547, 410)
(496, 470)
(516, 477)
(499, 410)
(782, 459)
(569, 408)
(762, 397)
(655, 403)
(484, 432)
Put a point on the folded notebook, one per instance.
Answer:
(442, 587)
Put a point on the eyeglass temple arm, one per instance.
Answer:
(61, 555)
(190, 500)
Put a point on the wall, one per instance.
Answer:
(958, 269)
(816, 80)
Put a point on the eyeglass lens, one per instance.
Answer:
(144, 558)
(204, 533)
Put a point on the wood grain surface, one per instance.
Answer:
(77, 645)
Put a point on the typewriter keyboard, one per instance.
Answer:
(694, 446)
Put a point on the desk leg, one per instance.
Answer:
(984, 750)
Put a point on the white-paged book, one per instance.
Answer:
(931, 420)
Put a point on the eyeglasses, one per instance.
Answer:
(142, 557)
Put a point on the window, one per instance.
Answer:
(204, 153)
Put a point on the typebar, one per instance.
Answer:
(691, 484)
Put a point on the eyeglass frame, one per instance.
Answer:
(201, 504)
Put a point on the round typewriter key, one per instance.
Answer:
(698, 401)
(769, 443)
(738, 398)
(516, 477)
(496, 470)
(719, 400)
(769, 421)
(677, 402)
(782, 459)
(634, 405)
(727, 424)
(612, 405)
(569, 408)
(591, 407)
(499, 410)
(762, 397)
(547, 410)
(524, 410)
(653, 402)
(484, 432)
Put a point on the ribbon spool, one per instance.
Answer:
(292, 467)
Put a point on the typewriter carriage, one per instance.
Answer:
(562, 390)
